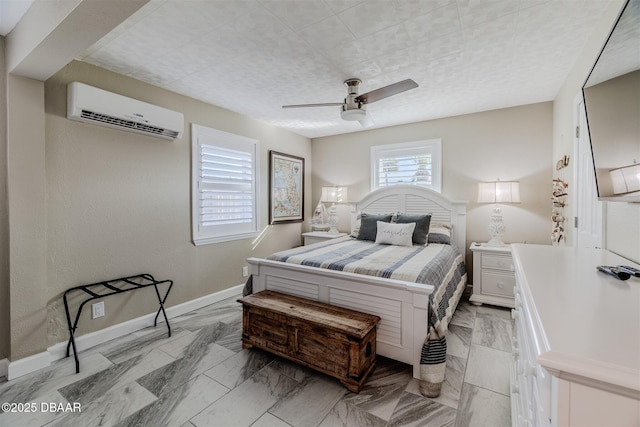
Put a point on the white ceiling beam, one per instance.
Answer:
(53, 32)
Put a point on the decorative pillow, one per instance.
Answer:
(395, 234)
(369, 227)
(422, 226)
(439, 232)
(356, 226)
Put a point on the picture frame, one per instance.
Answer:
(286, 188)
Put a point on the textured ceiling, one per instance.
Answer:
(253, 56)
(621, 54)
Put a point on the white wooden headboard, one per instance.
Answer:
(413, 199)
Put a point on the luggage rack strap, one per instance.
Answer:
(113, 287)
(93, 294)
(131, 282)
(109, 286)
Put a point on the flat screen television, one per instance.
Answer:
(612, 103)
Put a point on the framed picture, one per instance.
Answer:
(286, 188)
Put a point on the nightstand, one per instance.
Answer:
(319, 236)
(493, 275)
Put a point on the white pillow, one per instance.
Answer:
(395, 234)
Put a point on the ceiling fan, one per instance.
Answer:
(353, 107)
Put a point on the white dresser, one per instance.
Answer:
(576, 340)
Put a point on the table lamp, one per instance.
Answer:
(498, 192)
(333, 195)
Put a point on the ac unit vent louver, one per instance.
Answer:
(97, 117)
(92, 105)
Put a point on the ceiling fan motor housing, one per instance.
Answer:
(352, 109)
(352, 86)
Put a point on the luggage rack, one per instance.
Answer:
(113, 287)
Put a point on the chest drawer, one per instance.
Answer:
(497, 283)
(498, 262)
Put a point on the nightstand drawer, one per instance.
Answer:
(499, 262)
(498, 283)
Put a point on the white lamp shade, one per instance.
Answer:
(499, 192)
(626, 179)
(334, 194)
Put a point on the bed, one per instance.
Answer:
(415, 316)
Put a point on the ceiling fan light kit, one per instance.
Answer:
(353, 107)
(353, 115)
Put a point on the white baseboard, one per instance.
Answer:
(84, 342)
(28, 364)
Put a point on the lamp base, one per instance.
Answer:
(496, 228)
(495, 242)
(333, 220)
(320, 227)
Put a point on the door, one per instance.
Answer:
(588, 211)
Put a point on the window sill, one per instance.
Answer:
(201, 241)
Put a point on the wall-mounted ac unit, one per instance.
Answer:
(92, 105)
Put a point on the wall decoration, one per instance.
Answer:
(559, 197)
(286, 188)
(562, 163)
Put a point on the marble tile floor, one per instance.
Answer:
(201, 376)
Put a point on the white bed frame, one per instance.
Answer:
(402, 306)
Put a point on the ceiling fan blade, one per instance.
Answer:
(330, 104)
(387, 91)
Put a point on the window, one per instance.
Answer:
(415, 163)
(224, 171)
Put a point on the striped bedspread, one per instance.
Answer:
(435, 264)
(420, 264)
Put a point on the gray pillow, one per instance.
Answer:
(422, 226)
(369, 226)
(440, 233)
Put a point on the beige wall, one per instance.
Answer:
(118, 203)
(4, 219)
(622, 224)
(27, 214)
(509, 144)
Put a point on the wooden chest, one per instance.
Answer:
(333, 340)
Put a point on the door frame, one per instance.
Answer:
(578, 103)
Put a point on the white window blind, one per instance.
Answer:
(415, 163)
(224, 170)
